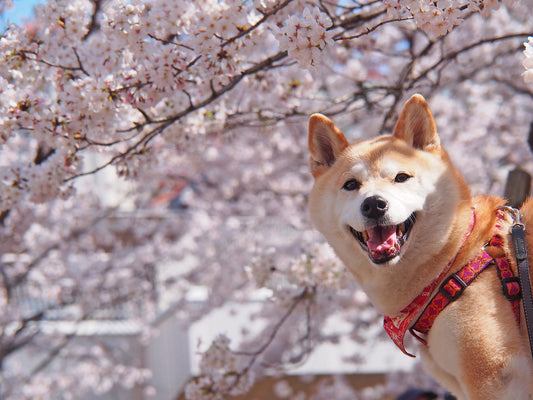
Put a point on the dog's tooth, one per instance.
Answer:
(365, 236)
(401, 229)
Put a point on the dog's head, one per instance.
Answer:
(383, 201)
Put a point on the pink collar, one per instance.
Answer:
(397, 326)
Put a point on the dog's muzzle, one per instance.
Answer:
(382, 242)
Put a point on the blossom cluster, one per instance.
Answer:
(437, 18)
(306, 37)
(222, 374)
(314, 265)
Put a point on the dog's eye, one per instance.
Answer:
(401, 177)
(351, 184)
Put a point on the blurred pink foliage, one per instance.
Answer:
(200, 107)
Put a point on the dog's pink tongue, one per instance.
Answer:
(381, 238)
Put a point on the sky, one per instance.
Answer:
(21, 11)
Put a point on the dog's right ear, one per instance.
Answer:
(326, 142)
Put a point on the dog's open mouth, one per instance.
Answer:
(384, 242)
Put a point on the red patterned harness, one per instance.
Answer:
(451, 287)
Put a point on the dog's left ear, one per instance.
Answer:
(326, 142)
(416, 125)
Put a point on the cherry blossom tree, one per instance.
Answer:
(200, 108)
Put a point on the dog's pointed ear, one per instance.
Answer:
(326, 142)
(416, 125)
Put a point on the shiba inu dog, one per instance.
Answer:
(403, 221)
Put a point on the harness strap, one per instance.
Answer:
(454, 285)
(450, 289)
(519, 242)
(510, 285)
(398, 325)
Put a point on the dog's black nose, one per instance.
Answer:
(374, 207)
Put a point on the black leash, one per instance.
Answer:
(520, 248)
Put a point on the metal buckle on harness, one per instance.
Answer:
(515, 214)
(506, 288)
(459, 281)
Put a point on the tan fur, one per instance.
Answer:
(475, 347)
